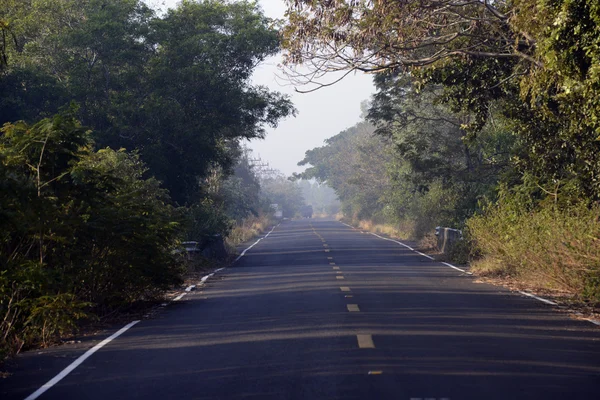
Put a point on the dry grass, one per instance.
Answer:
(429, 243)
(248, 229)
(401, 231)
(547, 249)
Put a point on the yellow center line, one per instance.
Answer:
(348, 296)
(375, 372)
(365, 341)
(353, 307)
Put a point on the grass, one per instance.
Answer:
(547, 248)
(248, 229)
(400, 231)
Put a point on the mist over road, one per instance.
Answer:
(318, 310)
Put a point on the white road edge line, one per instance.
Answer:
(255, 243)
(103, 343)
(418, 252)
(206, 277)
(593, 321)
(179, 297)
(392, 240)
(456, 268)
(425, 255)
(539, 298)
(78, 362)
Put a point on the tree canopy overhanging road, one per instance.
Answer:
(319, 310)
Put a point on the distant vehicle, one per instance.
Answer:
(307, 211)
(277, 211)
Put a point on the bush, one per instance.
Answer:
(248, 228)
(548, 246)
(81, 231)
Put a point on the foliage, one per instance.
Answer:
(241, 191)
(376, 36)
(418, 172)
(249, 228)
(352, 163)
(86, 231)
(321, 197)
(156, 84)
(276, 189)
(477, 96)
(82, 230)
(550, 247)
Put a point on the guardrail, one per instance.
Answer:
(447, 237)
(212, 247)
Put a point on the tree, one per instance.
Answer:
(81, 230)
(536, 61)
(372, 36)
(276, 189)
(176, 88)
(353, 163)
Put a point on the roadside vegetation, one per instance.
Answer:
(486, 119)
(121, 136)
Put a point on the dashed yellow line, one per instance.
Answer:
(353, 307)
(375, 372)
(365, 341)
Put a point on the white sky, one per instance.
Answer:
(321, 114)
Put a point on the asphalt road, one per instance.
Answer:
(321, 311)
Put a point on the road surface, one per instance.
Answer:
(318, 310)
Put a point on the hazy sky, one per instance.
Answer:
(321, 114)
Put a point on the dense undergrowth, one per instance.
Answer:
(248, 229)
(550, 247)
(82, 231)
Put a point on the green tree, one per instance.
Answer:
(177, 88)
(353, 163)
(277, 189)
(78, 223)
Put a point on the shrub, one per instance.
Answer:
(81, 231)
(549, 246)
(248, 228)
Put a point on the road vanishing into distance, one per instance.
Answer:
(318, 310)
